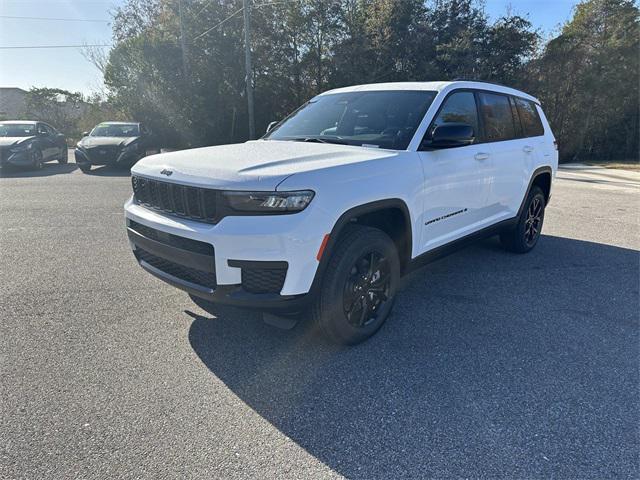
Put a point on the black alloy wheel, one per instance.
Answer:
(64, 156)
(366, 289)
(36, 158)
(533, 222)
(525, 234)
(358, 286)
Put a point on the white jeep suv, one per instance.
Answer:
(337, 201)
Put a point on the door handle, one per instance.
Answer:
(527, 149)
(481, 156)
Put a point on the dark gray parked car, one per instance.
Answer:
(28, 143)
(114, 143)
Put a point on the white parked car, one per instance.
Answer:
(337, 201)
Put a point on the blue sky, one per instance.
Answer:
(67, 68)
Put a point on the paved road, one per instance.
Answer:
(492, 365)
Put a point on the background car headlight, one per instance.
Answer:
(20, 148)
(269, 202)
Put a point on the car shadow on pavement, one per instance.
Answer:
(491, 365)
(47, 170)
(109, 171)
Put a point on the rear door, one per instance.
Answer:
(457, 180)
(509, 152)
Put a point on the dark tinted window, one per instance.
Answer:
(386, 119)
(459, 107)
(497, 117)
(529, 117)
(516, 118)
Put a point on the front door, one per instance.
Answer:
(457, 180)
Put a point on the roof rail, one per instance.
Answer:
(462, 79)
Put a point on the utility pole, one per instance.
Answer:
(246, 4)
(183, 45)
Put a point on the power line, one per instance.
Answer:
(258, 5)
(56, 19)
(219, 23)
(53, 46)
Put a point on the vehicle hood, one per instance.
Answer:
(254, 165)
(90, 142)
(8, 141)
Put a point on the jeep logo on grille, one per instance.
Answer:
(166, 172)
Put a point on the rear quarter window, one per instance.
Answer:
(531, 123)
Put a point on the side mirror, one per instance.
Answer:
(271, 126)
(450, 135)
(85, 134)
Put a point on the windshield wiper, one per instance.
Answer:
(319, 139)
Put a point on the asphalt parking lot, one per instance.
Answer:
(492, 364)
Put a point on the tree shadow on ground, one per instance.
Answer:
(491, 365)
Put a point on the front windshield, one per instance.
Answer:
(116, 130)
(17, 129)
(384, 119)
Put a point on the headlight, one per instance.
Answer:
(268, 202)
(20, 148)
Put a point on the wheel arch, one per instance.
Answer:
(389, 215)
(541, 177)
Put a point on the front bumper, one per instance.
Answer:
(83, 157)
(20, 158)
(245, 251)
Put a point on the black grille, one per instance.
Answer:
(199, 277)
(263, 280)
(188, 202)
(173, 240)
(104, 154)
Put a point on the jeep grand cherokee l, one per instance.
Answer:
(337, 201)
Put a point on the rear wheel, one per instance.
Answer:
(524, 236)
(359, 286)
(64, 156)
(36, 158)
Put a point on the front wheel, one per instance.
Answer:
(524, 236)
(359, 286)
(85, 168)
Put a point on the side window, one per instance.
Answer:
(459, 107)
(497, 117)
(42, 129)
(516, 118)
(529, 117)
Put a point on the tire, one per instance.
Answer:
(524, 236)
(354, 299)
(36, 158)
(64, 157)
(86, 168)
